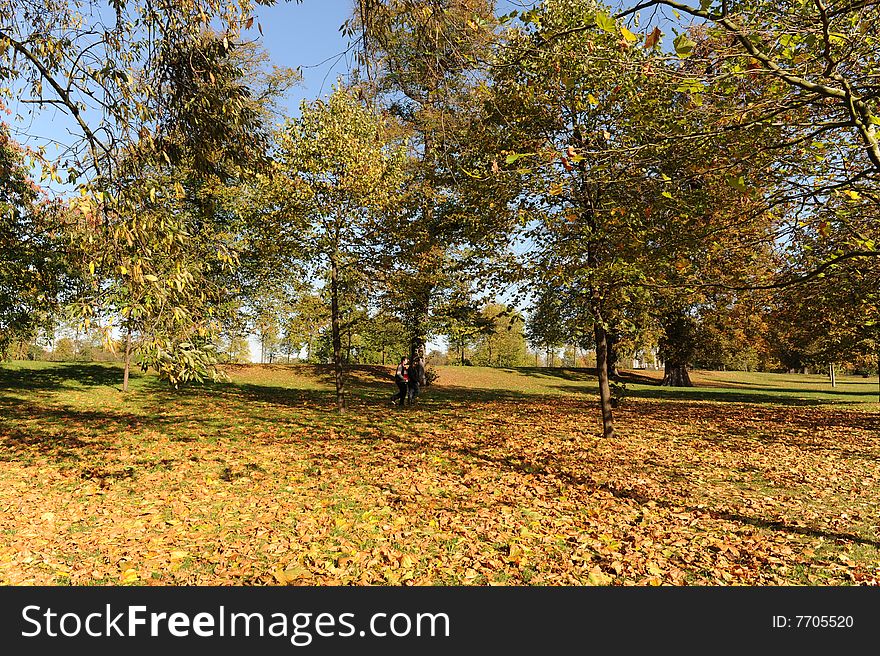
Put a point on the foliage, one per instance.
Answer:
(427, 64)
(342, 173)
(35, 275)
(502, 343)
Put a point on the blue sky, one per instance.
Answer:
(307, 35)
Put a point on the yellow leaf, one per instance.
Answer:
(129, 576)
(629, 36)
(291, 574)
(598, 577)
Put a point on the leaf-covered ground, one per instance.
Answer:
(496, 477)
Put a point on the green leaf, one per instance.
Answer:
(684, 46)
(691, 86)
(605, 22)
(737, 182)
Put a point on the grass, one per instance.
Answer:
(497, 476)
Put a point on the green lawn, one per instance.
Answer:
(497, 476)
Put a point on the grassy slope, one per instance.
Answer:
(495, 477)
(489, 383)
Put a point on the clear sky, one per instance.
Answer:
(307, 36)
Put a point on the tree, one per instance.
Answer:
(35, 274)
(503, 343)
(309, 319)
(823, 57)
(545, 329)
(806, 69)
(426, 60)
(162, 237)
(382, 339)
(576, 111)
(462, 320)
(163, 118)
(237, 350)
(337, 167)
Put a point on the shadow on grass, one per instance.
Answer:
(566, 373)
(727, 395)
(62, 375)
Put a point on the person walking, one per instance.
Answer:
(400, 379)
(416, 380)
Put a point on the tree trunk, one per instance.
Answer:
(676, 375)
(604, 386)
(613, 374)
(416, 348)
(127, 359)
(337, 336)
(833, 377)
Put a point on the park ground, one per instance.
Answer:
(496, 477)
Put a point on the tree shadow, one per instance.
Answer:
(566, 373)
(752, 397)
(359, 374)
(62, 375)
